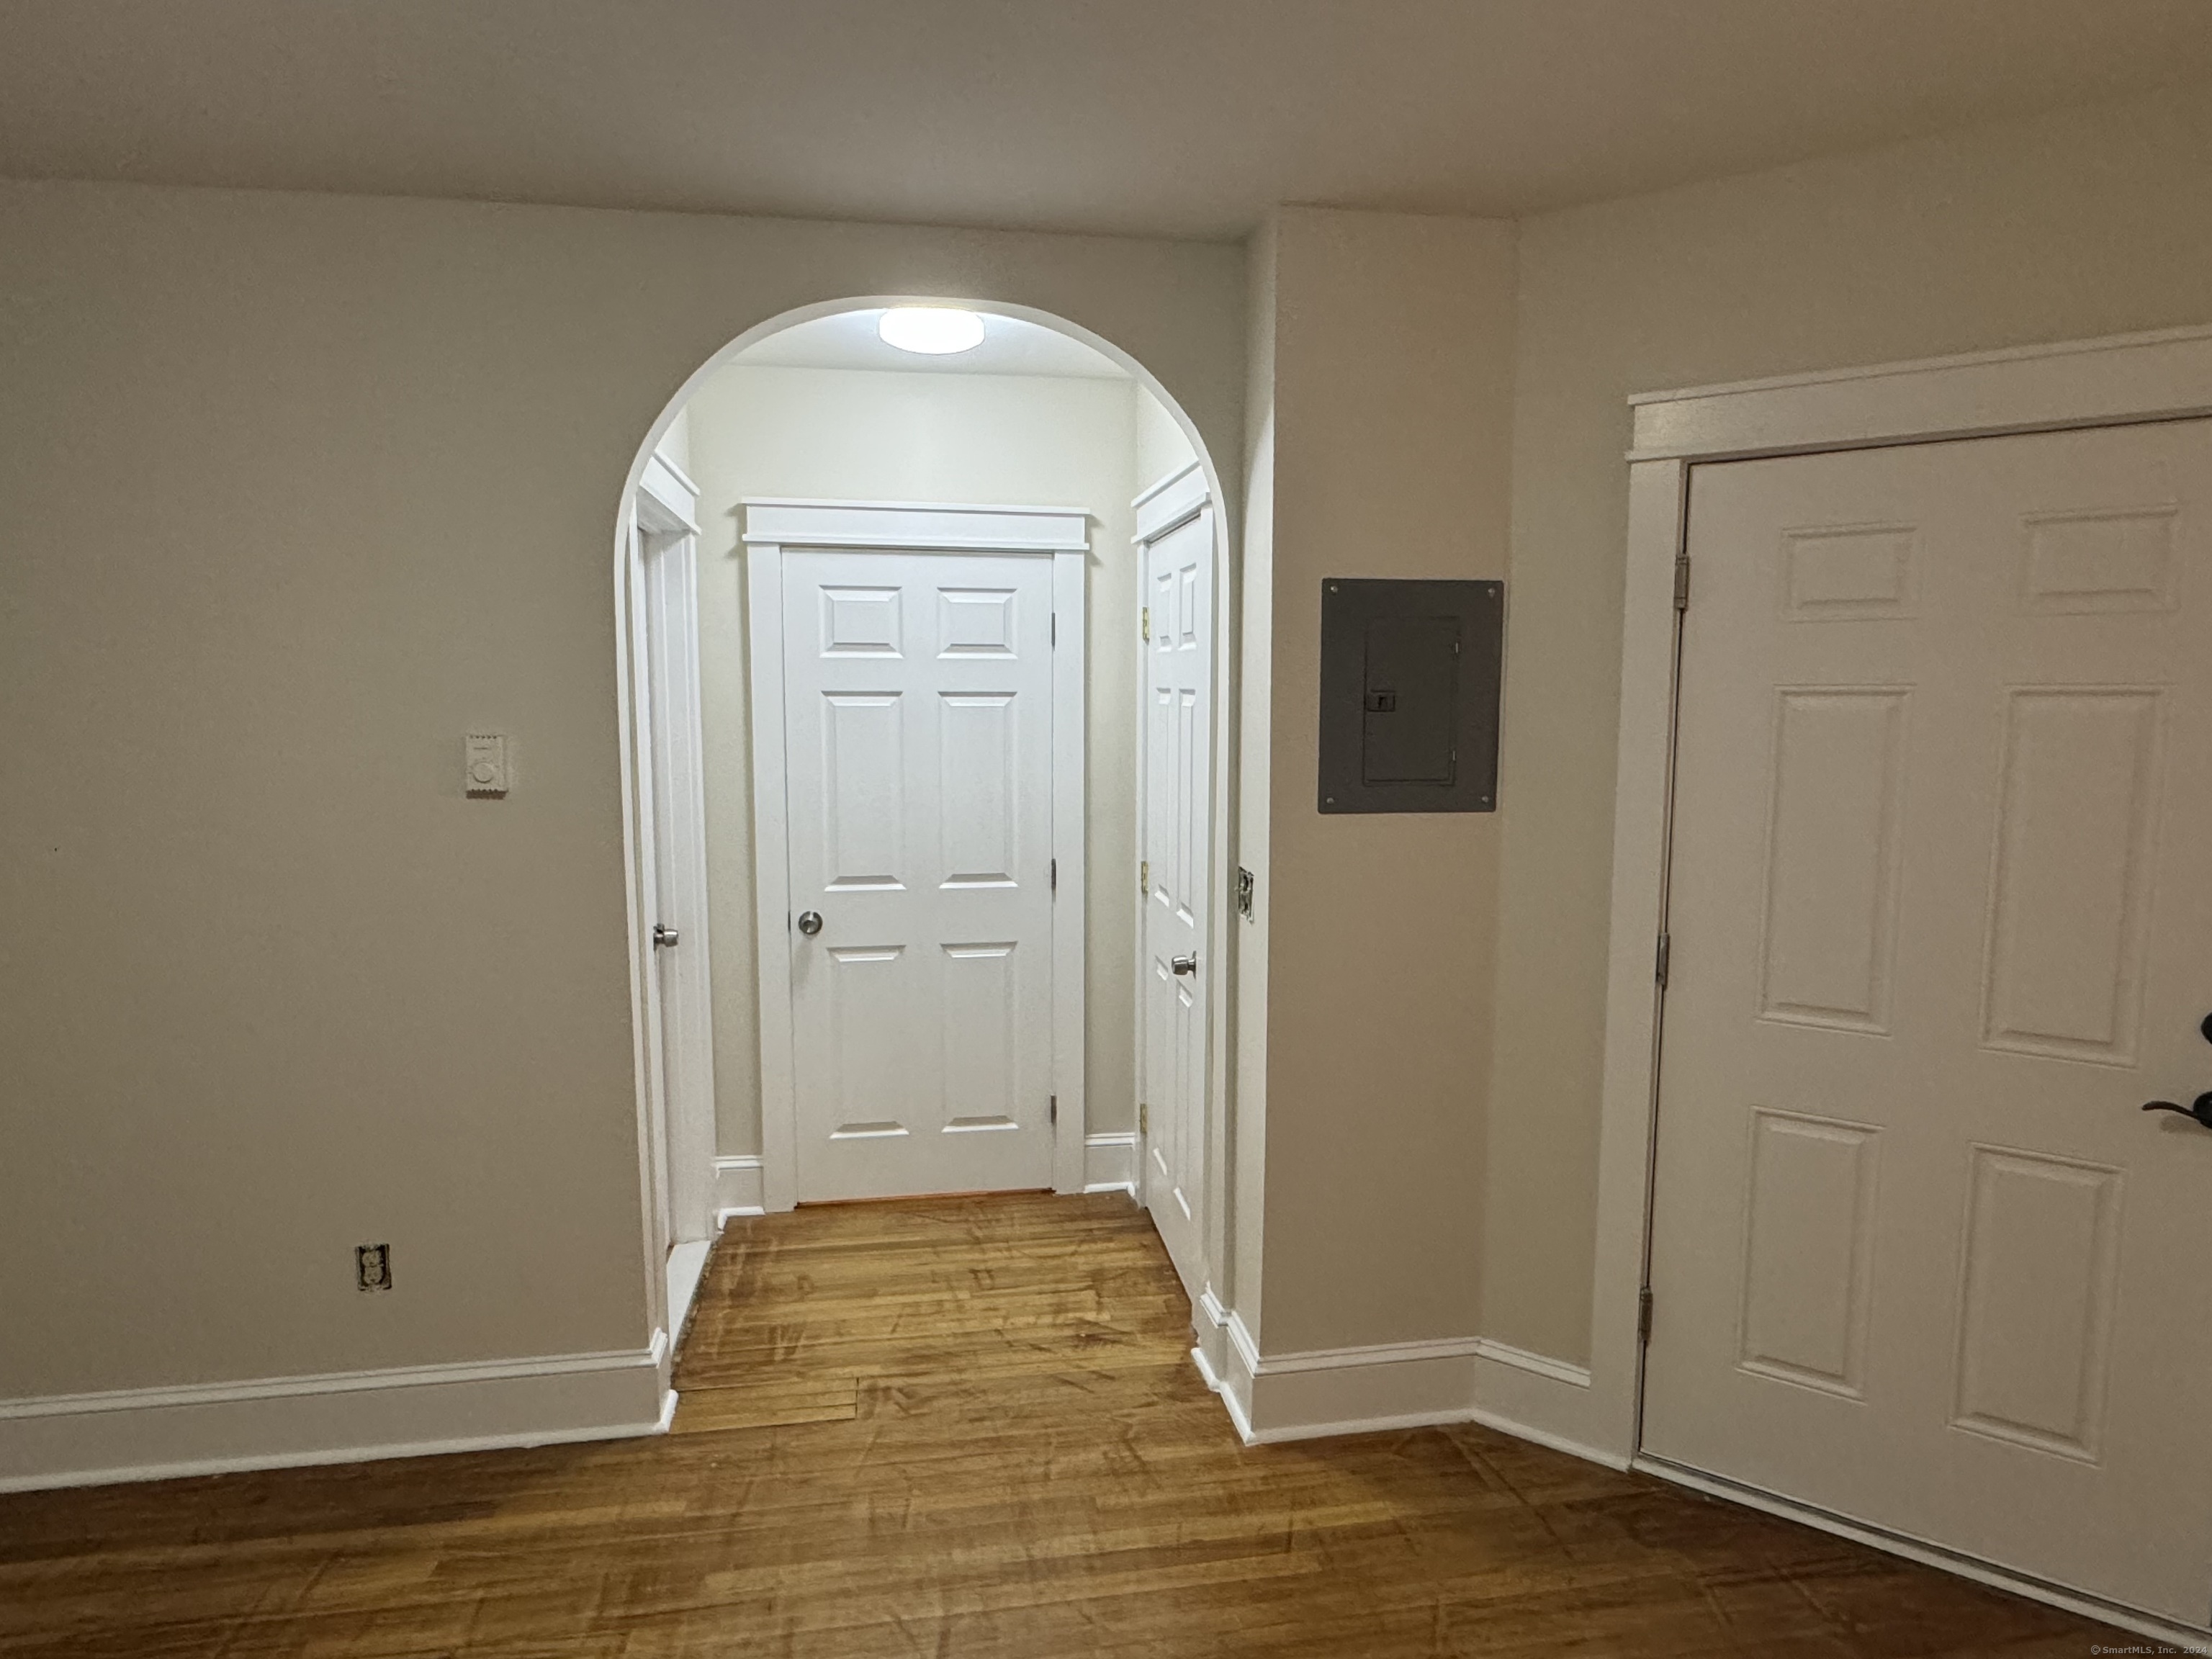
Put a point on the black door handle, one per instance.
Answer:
(2200, 1109)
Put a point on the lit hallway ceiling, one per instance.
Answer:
(1174, 116)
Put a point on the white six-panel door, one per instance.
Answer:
(918, 712)
(1176, 963)
(1941, 918)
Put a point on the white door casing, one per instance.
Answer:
(1175, 965)
(1937, 914)
(917, 679)
(669, 840)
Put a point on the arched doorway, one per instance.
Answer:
(749, 1058)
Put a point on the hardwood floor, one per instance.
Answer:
(966, 1428)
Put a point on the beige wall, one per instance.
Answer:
(859, 435)
(299, 489)
(2091, 222)
(1393, 376)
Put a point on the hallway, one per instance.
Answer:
(963, 1427)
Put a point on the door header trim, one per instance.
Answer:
(2122, 380)
(914, 527)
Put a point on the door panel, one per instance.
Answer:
(1178, 569)
(1940, 894)
(918, 724)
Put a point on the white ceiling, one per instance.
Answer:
(1011, 346)
(1175, 117)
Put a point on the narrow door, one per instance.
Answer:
(1178, 569)
(645, 837)
(919, 731)
(1941, 898)
(678, 930)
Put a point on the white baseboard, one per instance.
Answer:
(737, 1187)
(1402, 1385)
(160, 1434)
(1109, 1162)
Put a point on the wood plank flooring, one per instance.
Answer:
(964, 1428)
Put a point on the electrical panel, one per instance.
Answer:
(1409, 682)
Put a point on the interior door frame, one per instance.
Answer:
(773, 526)
(662, 730)
(2123, 380)
(1166, 507)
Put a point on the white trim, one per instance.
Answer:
(1399, 1385)
(2185, 1638)
(664, 482)
(1061, 534)
(915, 527)
(771, 880)
(737, 1189)
(1174, 500)
(687, 1266)
(1657, 493)
(2089, 383)
(1109, 1162)
(668, 553)
(336, 1417)
(2127, 378)
(1071, 720)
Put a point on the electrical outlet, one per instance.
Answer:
(371, 1266)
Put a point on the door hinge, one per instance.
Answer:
(1144, 1119)
(1643, 1316)
(1054, 630)
(1681, 582)
(1144, 879)
(1144, 622)
(1666, 953)
(1052, 1112)
(1056, 875)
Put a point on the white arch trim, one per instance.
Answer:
(1218, 1185)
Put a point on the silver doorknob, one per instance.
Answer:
(810, 922)
(662, 934)
(1184, 965)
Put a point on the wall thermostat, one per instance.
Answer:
(484, 763)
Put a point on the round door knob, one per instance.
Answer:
(810, 922)
(1184, 965)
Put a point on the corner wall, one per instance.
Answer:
(1390, 425)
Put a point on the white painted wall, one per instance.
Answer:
(675, 444)
(1162, 448)
(2094, 221)
(978, 439)
(299, 489)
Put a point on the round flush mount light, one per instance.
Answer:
(936, 331)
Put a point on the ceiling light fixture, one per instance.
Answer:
(935, 331)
